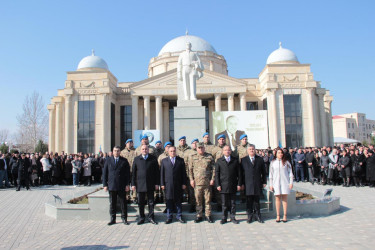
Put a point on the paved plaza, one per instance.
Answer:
(25, 226)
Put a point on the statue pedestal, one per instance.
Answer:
(189, 120)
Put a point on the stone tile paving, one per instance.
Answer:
(24, 225)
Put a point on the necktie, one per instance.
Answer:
(233, 141)
(172, 159)
(228, 160)
(252, 160)
(115, 161)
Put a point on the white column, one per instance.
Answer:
(68, 148)
(51, 131)
(275, 134)
(323, 120)
(159, 115)
(243, 101)
(106, 133)
(217, 102)
(134, 114)
(310, 110)
(58, 131)
(327, 105)
(146, 115)
(230, 101)
(165, 121)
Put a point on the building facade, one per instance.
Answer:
(353, 126)
(94, 111)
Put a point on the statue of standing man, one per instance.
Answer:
(189, 69)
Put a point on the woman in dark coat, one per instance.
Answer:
(356, 168)
(68, 171)
(345, 164)
(370, 164)
(324, 166)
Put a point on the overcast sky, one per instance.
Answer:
(41, 40)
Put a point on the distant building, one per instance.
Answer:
(353, 126)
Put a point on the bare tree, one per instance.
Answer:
(33, 122)
(4, 135)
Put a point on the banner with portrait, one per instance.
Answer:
(153, 136)
(233, 124)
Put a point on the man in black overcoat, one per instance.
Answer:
(23, 172)
(116, 179)
(228, 182)
(145, 180)
(254, 179)
(173, 181)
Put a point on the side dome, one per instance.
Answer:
(282, 55)
(179, 44)
(92, 61)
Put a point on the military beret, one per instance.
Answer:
(194, 140)
(243, 136)
(205, 134)
(158, 142)
(200, 145)
(144, 137)
(167, 143)
(128, 140)
(221, 136)
(182, 137)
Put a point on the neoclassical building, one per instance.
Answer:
(94, 111)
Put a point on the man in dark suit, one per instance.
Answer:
(145, 180)
(254, 180)
(228, 182)
(23, 172)
(232, 135)
(173, 181)
(116, 179)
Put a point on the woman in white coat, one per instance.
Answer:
(281, 182)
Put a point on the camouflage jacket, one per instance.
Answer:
(201, 169)
(162, 157)
(128, 154)
(241, 151)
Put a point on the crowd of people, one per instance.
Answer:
(347, 165)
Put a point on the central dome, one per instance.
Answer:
(282, 55)
(92, 61)
(179, 44)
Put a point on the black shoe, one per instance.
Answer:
(152, 221)
(125, 221)
(198, 219)
(181, 221)
(249, 219)
(209, 219)
(165, 211)
(223, 221)
(112, 222)
(259, 219)
(169, 221)
(17, 189)
(234, 221)
(141, 221)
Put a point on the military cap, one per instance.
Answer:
(158, 142)
(205, 134)
(144, 137)
(182, 137)
(194, 140)
(200, 145)
(128, 140)
(221, 136)
(167, 143)
(243, 136)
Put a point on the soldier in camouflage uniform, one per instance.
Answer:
(158, 149)
(241, 152)
(144, 141)
(159, 194)
(202, 176)
(129, 153)
(187, 154)
(181, 151)
(207, 143)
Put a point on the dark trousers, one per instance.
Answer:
(228, 203)
(252, 205)
(300, 175)
(142, 204)
(25, 182)
(47, 178)
(311, 174)
(170, 207)
(113, 196)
